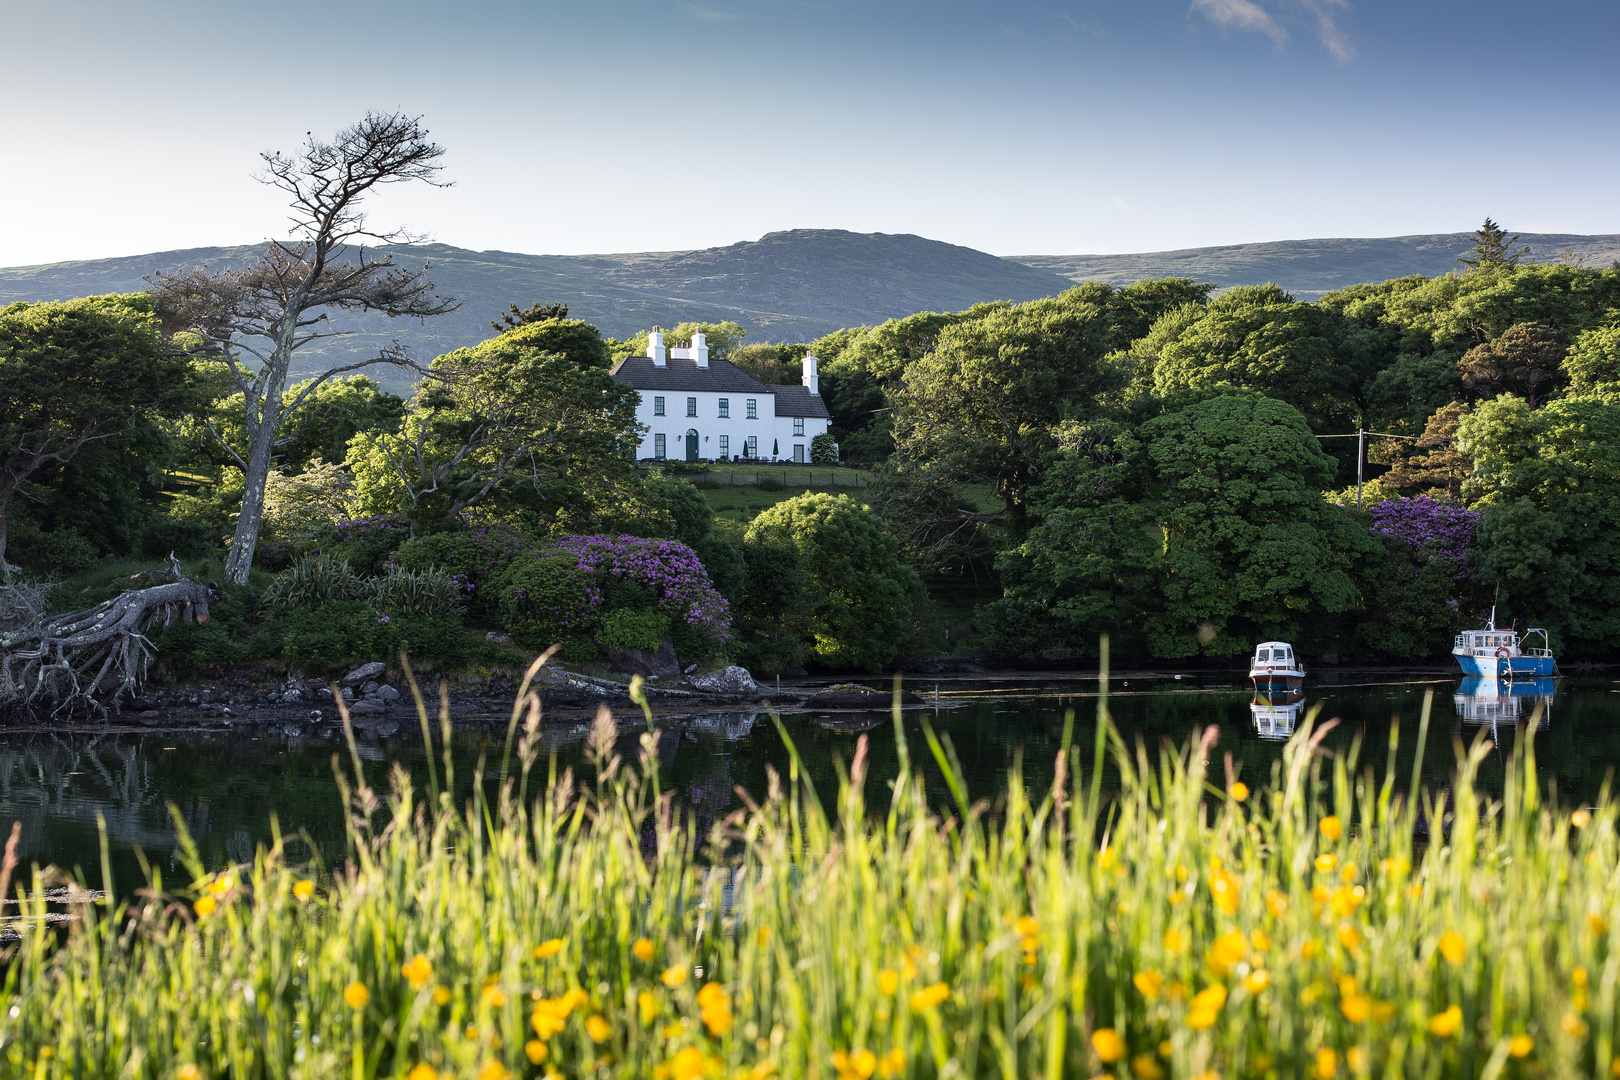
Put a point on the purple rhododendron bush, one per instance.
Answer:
(624, 591)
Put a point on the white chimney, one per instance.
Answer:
(811, 378)
(655, 346)
(700, 349)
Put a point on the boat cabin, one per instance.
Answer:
(1486, 642)
(1274, 653)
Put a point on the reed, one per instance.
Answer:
(1183, 925)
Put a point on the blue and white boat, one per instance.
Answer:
(1492, 701)
(1502, 654)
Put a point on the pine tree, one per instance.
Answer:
(1492, 248)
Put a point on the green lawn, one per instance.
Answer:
(732, 491)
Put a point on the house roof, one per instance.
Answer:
(799, 401)
(684, 376)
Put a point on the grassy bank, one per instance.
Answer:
(1179, 924)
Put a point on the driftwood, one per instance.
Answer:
(91, 659)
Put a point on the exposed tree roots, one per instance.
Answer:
(88, 661)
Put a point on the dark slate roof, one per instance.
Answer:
(799, 401)
(684, 376)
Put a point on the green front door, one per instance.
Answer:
(691, 446)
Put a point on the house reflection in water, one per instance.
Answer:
(1275, 714)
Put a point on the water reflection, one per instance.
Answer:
(1276, 713)
(225, 785)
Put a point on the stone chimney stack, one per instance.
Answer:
(700, 349)
(811, 377)
(655, 347)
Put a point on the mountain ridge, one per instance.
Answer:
(789, 285)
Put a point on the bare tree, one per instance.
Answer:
(255, 319)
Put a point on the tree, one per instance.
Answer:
(256, 319)
(861, 595)
(1593, 363)
(1202, 530)
(537, 312)
(334, 413)
(1442, 471)
(984, 402)
(1492, 247)
(1525, 358)
(74, 374)
(547, 433)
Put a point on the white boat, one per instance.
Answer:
(1275, 667)
(1276, 714)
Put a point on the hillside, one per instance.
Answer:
(1309, 268)
(795, 285)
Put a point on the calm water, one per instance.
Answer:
(226, 784)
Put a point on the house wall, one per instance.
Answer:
(768, 428)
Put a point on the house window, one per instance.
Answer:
(725, 442)
(798, 426)
(725, 408)
(753, 408)
(798, 451)
(658, 444)
(691, 406)
(658, 406)
(751, 447)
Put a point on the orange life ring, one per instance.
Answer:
(1503, 652)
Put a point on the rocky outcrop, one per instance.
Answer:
(644, 662)
(856, 696)
(732, 681)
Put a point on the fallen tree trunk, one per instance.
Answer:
(91, 659)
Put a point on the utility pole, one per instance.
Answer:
(1361, 456)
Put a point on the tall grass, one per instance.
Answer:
(1181, 926)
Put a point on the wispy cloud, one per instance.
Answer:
(1333, 37)
(709, 14)
(1122, 204)
(1241, 15)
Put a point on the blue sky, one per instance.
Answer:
(1021, 127)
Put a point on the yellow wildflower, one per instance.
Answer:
(1277, 903)
(1580, 819)
(1331, 827)
(1260, 940)
(1027, 926)
(303, 890)
(714, 1005)
(857, 1063)
(642, 950)
(1240, 791)
(1453, 947)
(1325, 862)
(1356, 1058)
(1578, 976)
(205, 906)
(550, 1017)
(492, 996)
(356, 995)
(1223, 889)
(417, 971)
(1327, 1063)
(1108, 1044)
(1597, 924)
(1345, 901)
(648, 1006)
(1310, 949)
(1175, 941)
(598, 1028)
(1227, 950)
(1146, 1067)
(1572, 1025)
(1521, 1046)
(422, 1071)
(687, 1065)
(888, 982)
(188, 1071)
(1256, 980)
(1149, 983)
(1349, 936)
(929, 997)
(1107, 857)
(1445, 1024)
(892, 1064)
(1356, 1008)
(441, 996)
(1209, 1074)
(1348, 872)
(493, 1070)
(673, 976)
(547, 949)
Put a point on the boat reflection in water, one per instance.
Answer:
(1276, 712)
(1489, 702)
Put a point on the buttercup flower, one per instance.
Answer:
(1452, 947)
(1108, 1044)
(547, 949)
(303, 890)
(1445, 1024)
(888, 982)
(356, 995)
(642, 950)
(929, 997)
(1331, 827)
(417, 971)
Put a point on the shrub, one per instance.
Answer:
(629, 629)
(481, 556)
(668, 574)
(59, 552)
(312, 580)
(314, 636)
(430, 640)
(823, 450)
(546, 600)
(435, 593)
(186, 537)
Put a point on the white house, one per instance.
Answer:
(695, 409)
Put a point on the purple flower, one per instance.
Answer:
(1436, 533)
